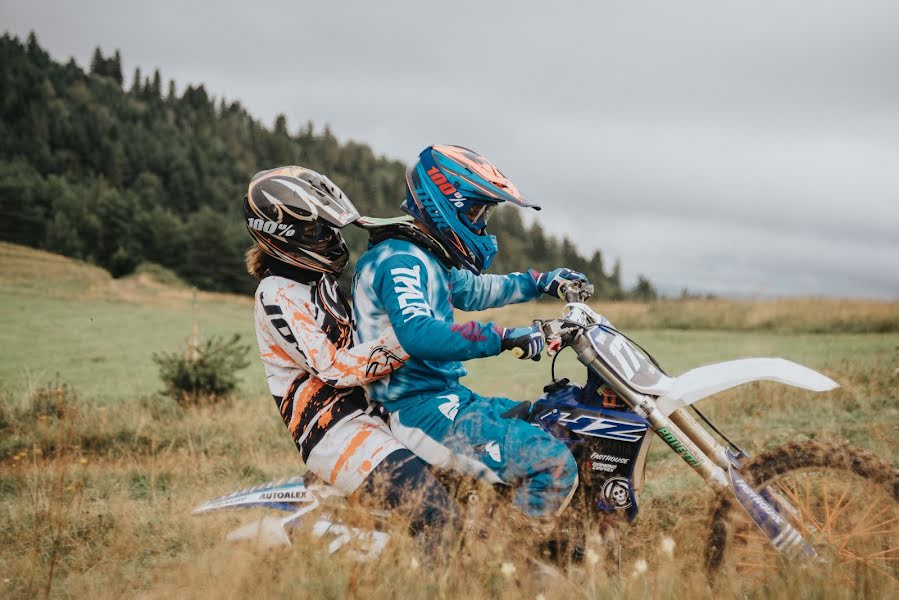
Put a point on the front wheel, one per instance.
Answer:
(844, 501)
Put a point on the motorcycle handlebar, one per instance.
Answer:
(556, 332)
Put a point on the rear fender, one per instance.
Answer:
(287, 495)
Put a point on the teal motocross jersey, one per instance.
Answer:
(400, 285)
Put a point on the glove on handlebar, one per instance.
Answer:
(524, 342)
(552, 282)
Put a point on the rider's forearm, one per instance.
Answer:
(426, 338)
(359, 365)
(480, 292)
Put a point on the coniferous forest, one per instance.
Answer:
(120, 177)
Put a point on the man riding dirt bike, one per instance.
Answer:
(304, 329)
(409, 281)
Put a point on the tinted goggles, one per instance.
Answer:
(479, 214)
(316, 234)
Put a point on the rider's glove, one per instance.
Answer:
(524, 342)
(552, 283)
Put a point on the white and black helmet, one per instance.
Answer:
(295, 215)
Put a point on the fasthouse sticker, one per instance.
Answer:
(609, 458)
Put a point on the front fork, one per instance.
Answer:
(687, 438)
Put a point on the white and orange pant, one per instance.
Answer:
(350, 450)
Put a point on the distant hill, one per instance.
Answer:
(121, 177)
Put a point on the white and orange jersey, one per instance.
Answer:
(305, 336)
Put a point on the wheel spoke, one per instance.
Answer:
(847, 513)
(836, 510)
(871, 530)
(856, 530)
(872, 565)
(800, 506)
(873, 554)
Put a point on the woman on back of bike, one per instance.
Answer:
(304, 329)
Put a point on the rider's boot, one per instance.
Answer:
(539, 529)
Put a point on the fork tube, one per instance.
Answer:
(702, 438)
(681, 443)
(646, 407)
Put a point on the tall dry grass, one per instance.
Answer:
(95, 498)
(95, 502)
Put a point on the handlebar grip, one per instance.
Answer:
(577, 291)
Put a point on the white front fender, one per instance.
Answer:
(711, 379)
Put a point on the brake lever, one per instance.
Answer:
(553, 346)
(558, 335)
(551, 334)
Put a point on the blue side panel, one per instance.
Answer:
(605, 442)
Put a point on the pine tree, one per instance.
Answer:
(281, 125)
(615, 277)
(596, 267)
(597, 274)
(33, 46)
(37, 54)
(98, 63)
(114, 68)
(644, 291)
(615, 291)
(135, 82)
(156, 87)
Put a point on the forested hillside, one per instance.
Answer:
(123, 176)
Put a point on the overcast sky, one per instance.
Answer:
(742, 148)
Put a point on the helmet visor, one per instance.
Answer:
(317, 235)
(478, 215)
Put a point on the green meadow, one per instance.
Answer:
(95, 494)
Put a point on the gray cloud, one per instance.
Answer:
(745, 148)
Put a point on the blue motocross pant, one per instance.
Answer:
(463, 431)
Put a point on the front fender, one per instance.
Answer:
(711, 379)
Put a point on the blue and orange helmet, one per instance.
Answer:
(452, 191)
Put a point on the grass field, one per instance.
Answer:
(98, 472)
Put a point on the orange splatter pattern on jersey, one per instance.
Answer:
(304, 395)
(325, 419)
(276, 351)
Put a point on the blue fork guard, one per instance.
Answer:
(782, 535)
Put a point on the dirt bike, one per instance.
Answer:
(818, 502)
